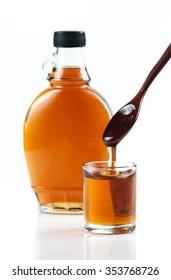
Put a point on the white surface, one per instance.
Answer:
(31, 235)
(51, 237)
(137, 33)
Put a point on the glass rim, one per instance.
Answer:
(104, 163)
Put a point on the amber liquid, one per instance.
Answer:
(62, 130)
(110, 197)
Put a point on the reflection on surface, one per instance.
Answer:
(110, 247)
(58, 237)
(61, 237)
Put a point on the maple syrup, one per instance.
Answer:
(63, 129)
(110, 197)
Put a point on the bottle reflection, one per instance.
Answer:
(110, 247)
(58, 238)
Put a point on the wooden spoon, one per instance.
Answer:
(125, 118)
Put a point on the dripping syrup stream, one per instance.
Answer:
(111, 156)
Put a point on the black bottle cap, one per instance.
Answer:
(69, 39)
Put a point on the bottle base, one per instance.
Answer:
(62, 208)
(109, 229)
(56, 201)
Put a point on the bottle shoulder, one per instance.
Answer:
(70, 92)
(70, 101)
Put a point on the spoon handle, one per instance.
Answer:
(156, 69)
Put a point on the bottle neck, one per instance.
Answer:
(69, 65)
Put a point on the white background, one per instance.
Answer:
(124, 41)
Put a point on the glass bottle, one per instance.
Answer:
(63, 129)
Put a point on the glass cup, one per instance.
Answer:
(109, 197)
